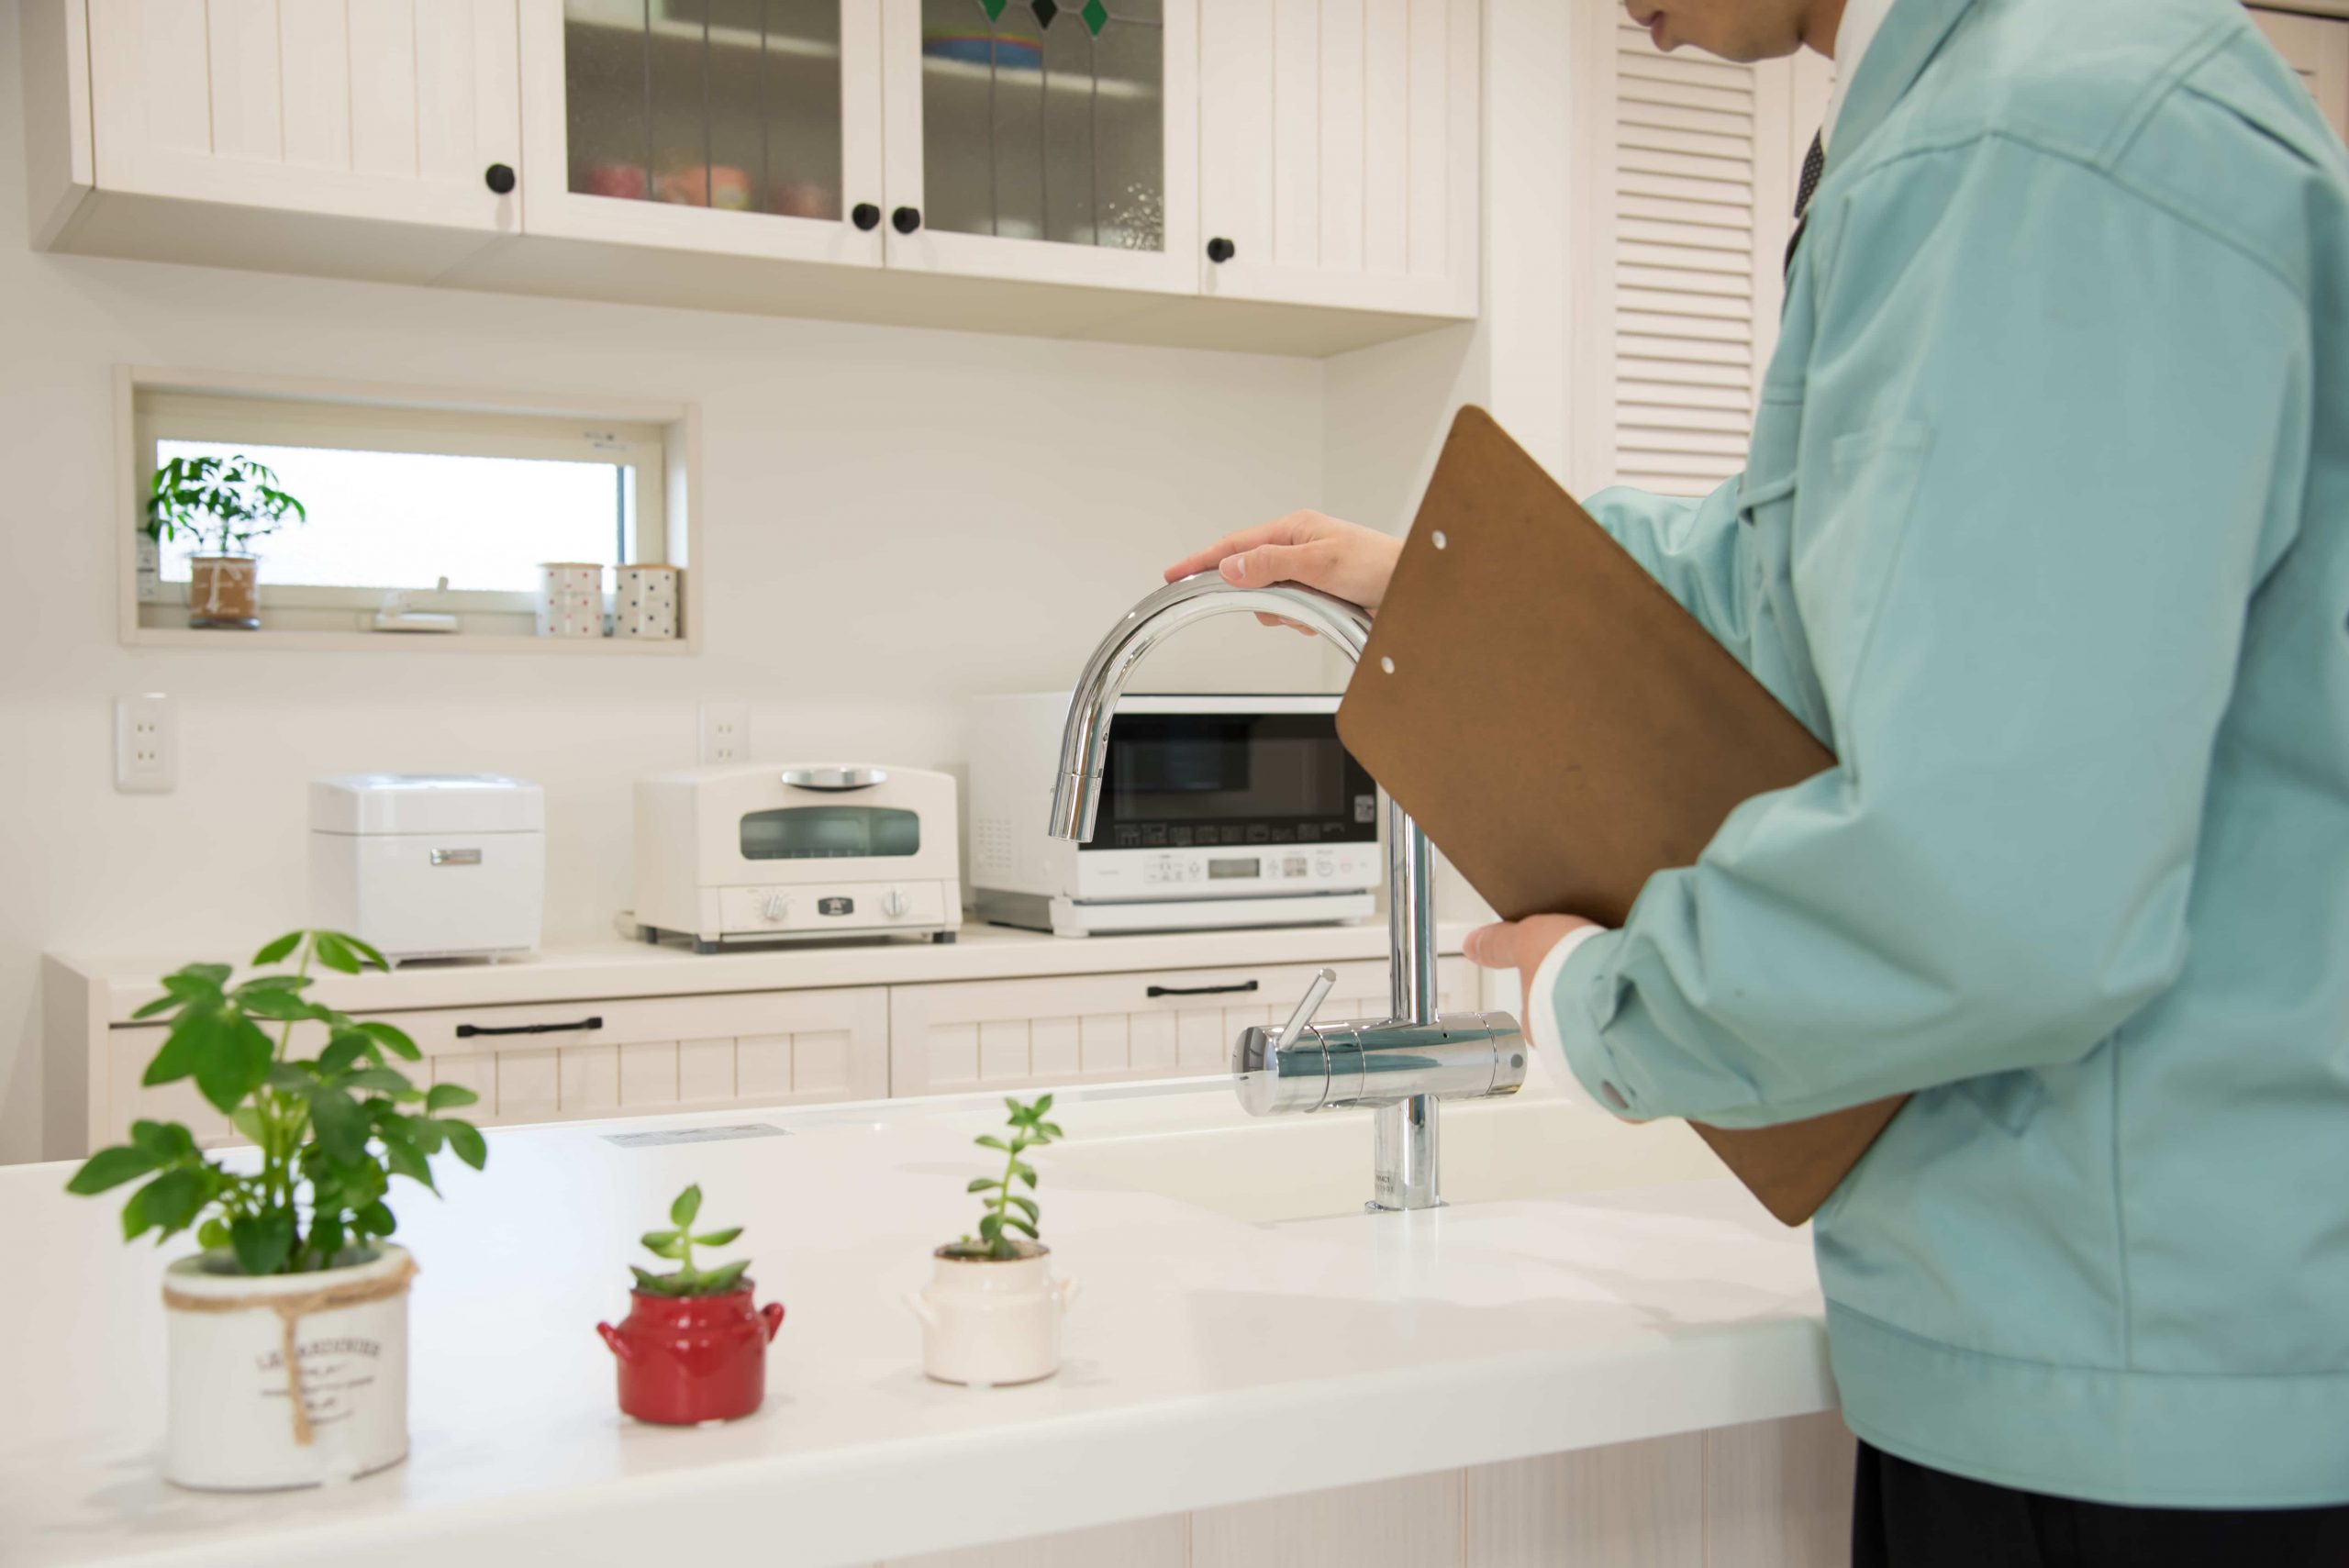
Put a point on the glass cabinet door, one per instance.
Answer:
(747, 125)
(1052, 140)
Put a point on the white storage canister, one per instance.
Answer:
(429, 866)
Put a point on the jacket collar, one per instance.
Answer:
(1905, 44)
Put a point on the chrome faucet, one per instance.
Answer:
(1399, 1065)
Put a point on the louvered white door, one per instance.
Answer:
(1338, 153)
(1689, 165)
(384, 109)
(2318, 49)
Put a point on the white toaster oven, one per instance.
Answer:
(757, 852)
(1216, 812)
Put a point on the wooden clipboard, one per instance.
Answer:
(1563, 729)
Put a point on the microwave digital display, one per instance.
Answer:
(1183, 780)
(830, 832)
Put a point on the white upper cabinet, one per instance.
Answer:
(1339, 152)
(746, 126)
(398, 110)
(1052, 140)
(2318, 47)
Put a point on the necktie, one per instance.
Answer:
(1814, 164)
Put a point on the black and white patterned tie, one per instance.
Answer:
(1814, 165)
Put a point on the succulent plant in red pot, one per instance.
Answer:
(692, 1348)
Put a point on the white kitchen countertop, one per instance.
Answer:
(1209, 1359)
(618, 968)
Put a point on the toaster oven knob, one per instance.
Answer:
(893, 903)
(777, 906)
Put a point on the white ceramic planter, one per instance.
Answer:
(644, 601)
(987, 1323)
(287, 1380)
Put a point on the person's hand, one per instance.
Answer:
(1521, 945)
(1345, 560)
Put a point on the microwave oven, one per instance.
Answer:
(1216, 812)
(758, 851)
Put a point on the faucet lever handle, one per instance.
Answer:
(1315, 995)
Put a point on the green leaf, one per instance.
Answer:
(688, 1203)
(166, 1141)
(393, 1039)
(991, 1226)
(718, 1238)
(346, 1047)
(427, 1134)
(1021, 1226)
(335, 952)
(342, 1125)
(211, 976)
(1026, 1206)
(274, 952)
(718, 1281)
(448, 1097)
(213, 1234)
(1024, 1171)
(983, 1185)
(270, 1002)
(358, 946)
(1052, 1132)
(376, 1220)
(271, 982)
(233, 1062)
(405, 1160)
(1043, 1104)
(166, 1204)
(162, 1003)
(290, 1077)
(467, 1143)
(664, 1243)
(263, 1241)
(110, 1168)
(247, 1121)
(383, 1081)
(989, 1141)
(182, 1047)
(647, 1281)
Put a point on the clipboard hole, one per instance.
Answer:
(1436, 538)
(1387, 664)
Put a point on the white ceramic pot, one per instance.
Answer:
(985, 1322)
(287, 1380)
(571, 599)
(644, 601)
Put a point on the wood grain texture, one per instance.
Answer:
(1410, 1523)
(1633, 1505)
(1778, 1493)
(1144, 1543)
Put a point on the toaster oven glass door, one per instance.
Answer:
(1195, 779)
(830, 832)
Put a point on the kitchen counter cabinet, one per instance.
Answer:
(1616, 1373)
(811, 1024)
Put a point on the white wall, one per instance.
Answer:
(895, 519)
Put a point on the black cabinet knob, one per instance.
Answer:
(906, 219)
(499, 177)
(865, 215)
(1221, 250)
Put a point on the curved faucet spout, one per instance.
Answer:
(1084, 740)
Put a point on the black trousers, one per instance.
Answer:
(1905, 1516)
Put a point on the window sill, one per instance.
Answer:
(405, 641)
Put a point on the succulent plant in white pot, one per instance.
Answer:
(991, 1314)
(288, 1331)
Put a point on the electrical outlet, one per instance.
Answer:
(726, 732)
(146, 744)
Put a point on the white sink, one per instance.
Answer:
(1307, 1167)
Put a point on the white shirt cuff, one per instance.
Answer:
(1541, 1026)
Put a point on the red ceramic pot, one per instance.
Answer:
(689, 1358)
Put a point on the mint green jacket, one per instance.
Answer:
(2045, 530)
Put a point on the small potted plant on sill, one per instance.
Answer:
(692, 1348)
(227, 502)
(991, 1314)
(288, 1332)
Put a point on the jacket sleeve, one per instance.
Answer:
(1694, 548)
(2037, 486)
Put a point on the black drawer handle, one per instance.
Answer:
(467, 1031)
(1199, 990)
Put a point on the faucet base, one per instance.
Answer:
(1405, 1152)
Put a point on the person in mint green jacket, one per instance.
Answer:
(2044, 529)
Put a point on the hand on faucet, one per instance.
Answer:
(1342, 559)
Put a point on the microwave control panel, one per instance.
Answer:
(1224, 873)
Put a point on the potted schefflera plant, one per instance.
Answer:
(288, 1332)
(692, 1348)
(991, 1314)
(226, 503)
